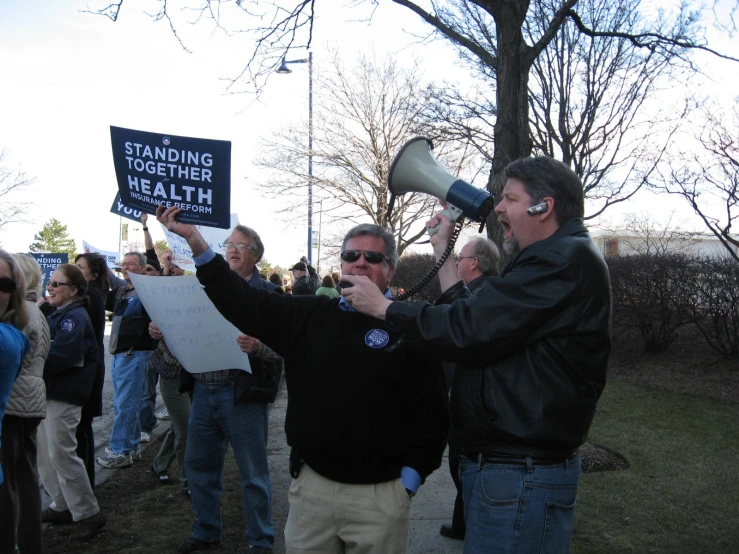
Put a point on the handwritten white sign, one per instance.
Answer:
(110, 257)
(182, 255)
(194, 330)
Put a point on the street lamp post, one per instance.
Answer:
(283, 70)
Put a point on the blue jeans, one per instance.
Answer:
(148, 400)
(128, 380)
(519, 508)
(215, 422)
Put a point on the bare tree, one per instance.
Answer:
(491, 36)
(705, 172)
(12, 183)
(362, 116)
(640, 233)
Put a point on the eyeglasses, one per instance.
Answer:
(370, 256)
(130, 264)
(460, 258)
(7, 284)
(236, 246)
(57, 284)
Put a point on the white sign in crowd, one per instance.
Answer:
(194, 330)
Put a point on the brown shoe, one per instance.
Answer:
(89, 527)
(50, 515)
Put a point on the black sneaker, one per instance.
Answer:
(89, 527)
(194, 545)
(163, 478)
(54, 516)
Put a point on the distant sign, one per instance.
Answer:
(48, 264)
(191, 173)
(119, 208)
(216, 238)
(194, 330)
(112, 258)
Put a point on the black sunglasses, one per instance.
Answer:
(369, 255)
(57, 284)
(7, 284)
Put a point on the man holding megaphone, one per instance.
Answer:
(533, 346)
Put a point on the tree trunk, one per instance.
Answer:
(512, 135)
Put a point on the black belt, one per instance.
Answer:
(496, 458)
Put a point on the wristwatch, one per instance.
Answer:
(145, 228)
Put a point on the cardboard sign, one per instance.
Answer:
(190, 173)
(182, 255)
(48, 264)
(119, 208)
(194, 330)
(112, 258)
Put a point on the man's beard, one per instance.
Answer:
(510, 246)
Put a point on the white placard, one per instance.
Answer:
(194, 330)
(110, 257)
(182, 255)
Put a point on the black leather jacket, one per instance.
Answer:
(533, 344)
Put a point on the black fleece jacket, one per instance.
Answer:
(357, 413)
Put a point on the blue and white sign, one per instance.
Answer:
(48, 264)
(191, 173)
(119, 208)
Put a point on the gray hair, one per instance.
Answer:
(487, 254)
(391, 251)
(139, 256)
(254, 236)
(31, 272)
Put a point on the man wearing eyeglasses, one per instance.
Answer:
(130, 346)
(230, 407)
(532, 346)
(367, 415)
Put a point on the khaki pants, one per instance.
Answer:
(62, 472)
(328, 517)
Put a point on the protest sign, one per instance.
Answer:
(112, 258)
(119, 208)
(191, 173)
(48, 264)
(194, 330)
(181, 253)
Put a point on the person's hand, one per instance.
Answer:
(167, 217)
(365, 296)
(167, 256)
(445, 227)
(144, 217)
(41, 301)
(154, 331)
(248, 344)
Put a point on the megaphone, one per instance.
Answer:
(415, 169)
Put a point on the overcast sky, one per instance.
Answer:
(67, 76)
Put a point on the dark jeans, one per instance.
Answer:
(86, 444)
(454, 459)
(19, 493)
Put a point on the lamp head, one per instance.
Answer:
(283, 69)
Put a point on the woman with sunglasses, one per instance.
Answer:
(69, 374)
(13, 343)
(95, 269)
(25, 410)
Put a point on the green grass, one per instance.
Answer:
(681, 493)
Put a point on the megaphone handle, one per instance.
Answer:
(452, 212)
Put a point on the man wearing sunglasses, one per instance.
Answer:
(130, 346)
(367, 415)
(532, 347)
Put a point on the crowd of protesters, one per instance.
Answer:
(368, 417)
